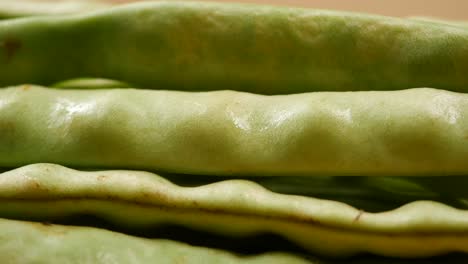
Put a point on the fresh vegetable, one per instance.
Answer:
(373, 194)
(317, 152)
(234, 133)
(235, 208)
(33, 242)
(210, 46)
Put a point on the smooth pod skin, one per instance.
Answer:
(236, 133)
(213, 46)
(135, 199)
(33, 242)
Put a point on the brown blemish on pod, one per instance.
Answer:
(7, 128)
(48, 228)
(102, 177)
(33, 188)
(358, 216)
(11, 47)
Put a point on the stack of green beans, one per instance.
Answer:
(187, 132)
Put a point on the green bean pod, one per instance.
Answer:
(44, 243)
(234, 208)
(26, 8)
(368, 133)
(213, 46)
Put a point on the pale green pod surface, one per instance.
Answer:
(26, 8)
(90, 83)
(235, 133)
(35, 242)
(214, 46)
(236, 208)
(373, 194)
(434, 20)
(32, 242)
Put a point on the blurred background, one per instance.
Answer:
(448, 9)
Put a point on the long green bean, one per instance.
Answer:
(33, 242)
(237, 133)
(212, 46)
(46, 192)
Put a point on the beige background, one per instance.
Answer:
(452, 9)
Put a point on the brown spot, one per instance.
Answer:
(7, 128)
(49, 228)
(180, 260)
(158, 197)
(310, 220)
(358, 216)
(33, 185)
(109, 196)
(26, 87)
(33, 188)
(102, 177)
(11, 47)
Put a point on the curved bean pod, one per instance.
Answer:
(212, 46)
(236, 133)
(136, 199)
(43, 243)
